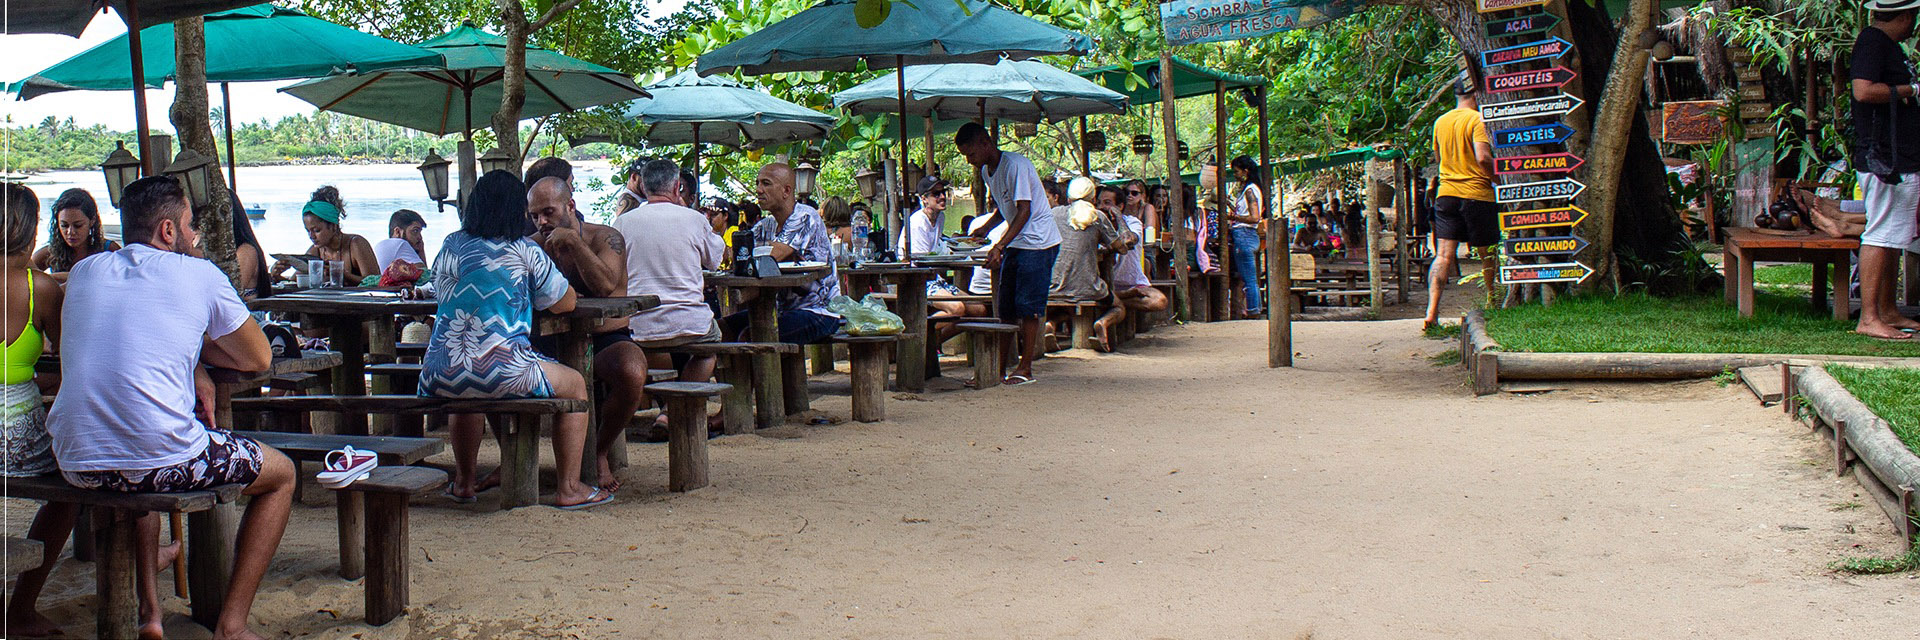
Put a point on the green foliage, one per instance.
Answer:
(1867, 566)
(1441, 331)
(1637, 322)
(1446, 358)
(1726, 377)
(1889, 393)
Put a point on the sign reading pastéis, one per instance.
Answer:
(1564, 188)
(1543, 134)
(1544, 163)
(1538, 218)
(1554, 246)
(1542, 50)
(1529, 24)
(1554, 105)
(1556, 272)
(1490, 6)
(1548, 78)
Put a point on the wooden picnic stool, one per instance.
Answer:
(400, 378)
(352, 516)
(986, 346)
(687, 467)
(867, 364)
(746, 405)
(517, 422)
(209, 546)
(1083, 314)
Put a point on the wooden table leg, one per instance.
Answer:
(520, 460)
(1842, 285)
(793, 383)
(910, 352)
(349, 337)
(770, 407)
(736, 405)
(576, 352)
(1729, 272)
(381, 348)
(1819, 298)
(1911, 282)
(349, 509)
(116, 612)
(210, 539)
(1746, 286)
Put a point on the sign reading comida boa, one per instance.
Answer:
(1197, 21)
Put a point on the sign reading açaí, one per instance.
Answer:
(1196, 21)
(1556, 105)
(1564, 188)
(1543, 134)
(1545, 49)
(1522, 25)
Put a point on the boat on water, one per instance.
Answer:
(256, 213)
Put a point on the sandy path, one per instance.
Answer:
(1181, 490)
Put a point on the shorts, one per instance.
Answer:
(1891, 211)
(550, 345)
(228, 459)
(938, 288)
(1475, 222)
(712, 335)
(1020, 288)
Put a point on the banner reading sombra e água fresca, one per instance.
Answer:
(1196, 21)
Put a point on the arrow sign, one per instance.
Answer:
(1538, 218)
(1523, 25)
(1545, 163)
(1545, 190)
(1490, 6)
(1544, 134)
(1554, 105)
(1549, 78)
(1556, 272)
(1559, 245)
(1542, 50)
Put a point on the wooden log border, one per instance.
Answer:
(1886, 468)
(1487, 365)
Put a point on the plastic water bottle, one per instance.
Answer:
(861, 227)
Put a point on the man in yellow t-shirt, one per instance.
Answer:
(1464, 210)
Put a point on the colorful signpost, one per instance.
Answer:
(1566, 216)
(1548, 78)
(1529, 24)
(1543, 134)
(1535, 273)
(1543, 163)
(1554, 105)
(1542, 50)
(1196, 21)
(1543, 246)
(1564, 188)
(1490, 6)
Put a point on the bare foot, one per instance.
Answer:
(579, 494)
(1102, 340)
(152, 630)
(241, 634)
(28, 623)
(1903, 322)
(607, 479)
(488, 482)
(1881, 331)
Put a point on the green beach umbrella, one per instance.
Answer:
(828, 37)
(721, 111)
(70, 17)
(250, 44)
(1027, 91)
(450, 99)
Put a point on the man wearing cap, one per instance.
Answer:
(922, 238)
(1886, 153)
(1465, 210)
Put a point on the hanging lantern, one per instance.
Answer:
(869, 179)
(1142, 144)
(1094, 141)
(913, 175)
(193, 171)
(434, 171)
(804, 176)
(1026, 129)
(1184, 156)
(121, 169)
(496, 159)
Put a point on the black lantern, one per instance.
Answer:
(121, 169)
(1184, 156)
(869, 179)
(1094, 141)
(1142, 144)
(193, 171)
(495, 160)
(434, 171)
(804, 175)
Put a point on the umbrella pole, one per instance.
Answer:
(226, 109)
(468, 162)
(1086, 156)
(696, 166)
(147, 166)
(929, 136)
(900, 84)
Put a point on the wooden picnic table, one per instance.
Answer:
(775, 395)
(1743, 247)
(910, 289)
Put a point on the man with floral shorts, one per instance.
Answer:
(136, 404)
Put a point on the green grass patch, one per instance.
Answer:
(1889, 393)
(1446, 358)
(1441, 331)
(1795, 274)
(1904, 562)
(1645, 324)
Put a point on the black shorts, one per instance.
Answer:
(1475, 222)
(549, 346)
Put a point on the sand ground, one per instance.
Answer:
(1178, 490)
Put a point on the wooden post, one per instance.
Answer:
(1402, 218)
(895, 225)
(226, 118)
(1176, 224)
(1220, 160)
(1372, 199)
(1279, 260)
(115, 613)
(736, 405)
(520, 460)
(1086, 155)
(868, 363)
(147, 161)
(349, 510)
(388, 548)
(210, 539)
(348, 336)
(687, 443)
(769, 402)
(793, 383)
(911, 351)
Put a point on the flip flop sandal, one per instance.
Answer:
(448, 492)
(346, 465)
(1016, 380)
(591, 502)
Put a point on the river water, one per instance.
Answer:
(372, 193)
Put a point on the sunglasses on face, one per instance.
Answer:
(1131, 193)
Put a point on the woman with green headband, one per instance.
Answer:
(322, 217)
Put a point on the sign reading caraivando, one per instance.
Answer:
(1196, 21)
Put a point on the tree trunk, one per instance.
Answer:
(513, 82)
(214, 222)
(1620, 102)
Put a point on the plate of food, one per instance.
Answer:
(805, 265)
(966, 242)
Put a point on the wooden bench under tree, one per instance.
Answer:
(867, 364)
(746, 404)
(687, 465)
(516, 420)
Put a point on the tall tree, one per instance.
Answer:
(214, 222)
(513, 81)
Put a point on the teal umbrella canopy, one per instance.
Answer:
(724, 112)
(826, 37)
(256, 43)
(70, 17)
(466, 90)
(1026, 91)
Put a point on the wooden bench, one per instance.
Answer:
(298, 382)
(516, 420)
(399, 378)
(209, 545)
(1083, 314)
(687, 466)
(22, 554)
(986, 345)
(393, 452)
(867, 364)
(384, 530)
(745, 405)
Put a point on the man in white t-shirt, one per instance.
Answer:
(404, 241)
(1023, 257)
(668, 249)
(136, 404)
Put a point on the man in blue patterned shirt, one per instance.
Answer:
(797, 234)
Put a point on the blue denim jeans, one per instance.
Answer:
(797, 326)
(1246, 254)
